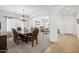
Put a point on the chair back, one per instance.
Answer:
(19, 29)
(34, 35)
(35, 32)
(14, 32)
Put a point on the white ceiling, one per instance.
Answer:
(35, 10)
(29, 9)
(66, 9)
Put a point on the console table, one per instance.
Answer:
(3, 43)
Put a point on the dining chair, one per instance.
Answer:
(33, 36)
(15, 36)
(19, 36)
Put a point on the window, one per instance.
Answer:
(13, 23)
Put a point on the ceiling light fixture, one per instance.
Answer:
(23, 17)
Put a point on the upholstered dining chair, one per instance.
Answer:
(33, 36)
(15, 36)
(19, 36)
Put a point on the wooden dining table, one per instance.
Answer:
(29, 36)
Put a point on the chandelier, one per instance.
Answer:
(23, 17)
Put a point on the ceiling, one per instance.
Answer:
(36, 10)
(28, 9)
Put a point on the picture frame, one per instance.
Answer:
(37, 22)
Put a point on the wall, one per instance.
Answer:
(3, 20)
(14, 23)
(66, 19)
(77, 25)
(53, 24)
(69, 24)
(32, 22)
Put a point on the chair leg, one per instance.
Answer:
(36, 41)
(26, 41)
(17, 42)
(13, 39)
(27, 38)
(32, 43)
